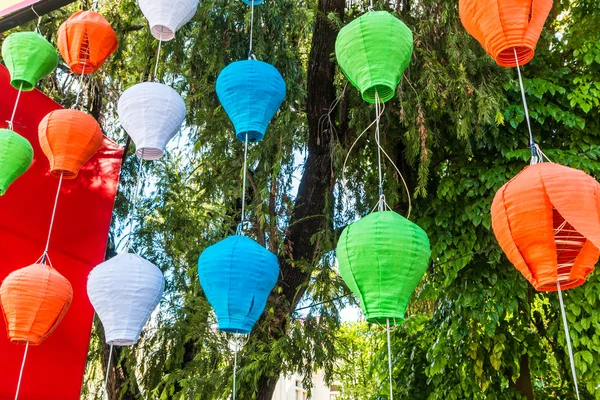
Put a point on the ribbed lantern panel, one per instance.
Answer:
(251, 92)
(34, 300)
(382, 258)
(505, 26)
(69, 138)
(124, 291)
(547, 221)
(165, 17)
(237, 275)
(16, 156)
(29, 57)
(151, 113)
(373, 51)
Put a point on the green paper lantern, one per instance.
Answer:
(373, 51)
(16, 156)
(29, 57)
(382, 258)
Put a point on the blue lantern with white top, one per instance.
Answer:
(237, 274)
(251, 92)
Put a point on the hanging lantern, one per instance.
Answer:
(250, 2)
(373, 52)
(251, 92)
(85, 41)
(165, 17)
(124, 291)
(16, 156)
(29, 58)
(237, 275)
(151, 113)
(34, 300)
(69, 138)
(547, 221)
(505, 26)
(382, 258)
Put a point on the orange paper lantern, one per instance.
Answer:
(547, 221)
(503, 26)
(85, 41)
(69, 138)
(34, 300)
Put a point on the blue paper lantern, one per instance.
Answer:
(251, 92)
(237, 274)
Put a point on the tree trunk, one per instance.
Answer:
(523, 382)
(316, 185)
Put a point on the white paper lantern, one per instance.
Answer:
(125, 290)
(151, 113)
(167, 16)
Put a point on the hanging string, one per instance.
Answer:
(12, 117)
(534, 155)
(95, 5)
(568, 337)
(21, 372)
(37, 28)
(379, 114)
(108, 372)
(80, 86)
(389, 345)
(377, 137)
(157, 58)
(250, 53)
(135, 202)
(238, 343)
(45, 254)
(235, 352)
(240, 229)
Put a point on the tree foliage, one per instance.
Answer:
(455, 130)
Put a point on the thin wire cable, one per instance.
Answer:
(157, 58)
(250, 54)
(389, 345)
(568, 337)
(12, 117)
(244, 173)
(45, 254)
(135, 202)
(21, 372)
(108, 372)
(534, 156)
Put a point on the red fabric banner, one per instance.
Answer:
(53, 370)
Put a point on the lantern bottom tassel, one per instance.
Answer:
(568, 337)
